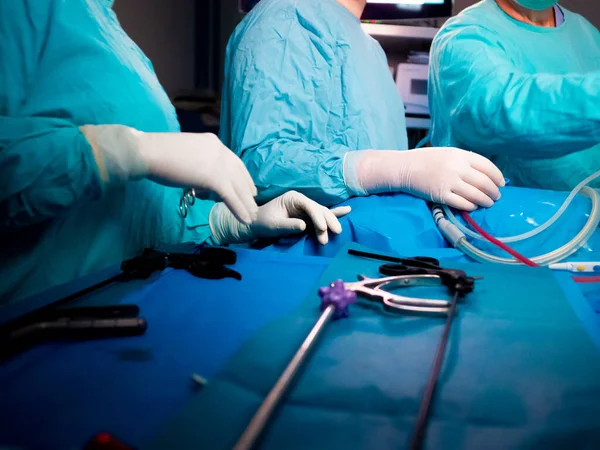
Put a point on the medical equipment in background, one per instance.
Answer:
(411, 80)
(385, 10)
(456, 233)
(390, 10)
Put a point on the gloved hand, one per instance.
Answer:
(282, 216)
(455, 177)
(187, 160)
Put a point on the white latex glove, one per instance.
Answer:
(458, 178)
(186, 160)
(282, 216)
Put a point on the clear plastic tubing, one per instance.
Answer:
(549, 258)
(535, 231)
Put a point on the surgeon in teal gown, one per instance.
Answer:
(519, 82)
(92, 164)
(309, 104)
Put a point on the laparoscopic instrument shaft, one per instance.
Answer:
(425, 407)
(265, 411)
(334, 305)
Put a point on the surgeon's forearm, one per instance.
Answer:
(531, 115)
(352, 179)
(117, 152)
(46, 167)
(315, 172)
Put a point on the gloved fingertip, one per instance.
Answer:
(336, 227)
(321, 227)
(341, 211)
(290, 226)
(464, 205)
(245, 218)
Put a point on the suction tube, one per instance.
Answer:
(521, 237)
(457, 238)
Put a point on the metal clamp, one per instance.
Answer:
(373, 289)
(187, 200)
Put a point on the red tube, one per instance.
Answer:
(498, 243)
(595, 279)
(514, 253)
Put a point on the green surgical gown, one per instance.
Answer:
(305, 87)
(63, 65)
(527, 97)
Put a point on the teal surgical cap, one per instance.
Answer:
(537, 5)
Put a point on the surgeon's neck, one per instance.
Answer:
(545, 18)
(356, 7)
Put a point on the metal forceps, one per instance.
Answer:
(408, 272)
(457, 282)
(335, 299)
(373, 289)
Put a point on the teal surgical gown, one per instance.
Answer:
(527, 97)
(63, 65)
(304, 89)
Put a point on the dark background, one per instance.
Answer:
(186, 39)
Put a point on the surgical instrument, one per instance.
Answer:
(98, 322)
(578, 267)
(50, 322)
(335, 299)
(334, 305)
(206, 262)
(373, 289)
(454, 279)
(425, 407)
(459, 284)
(407, 272)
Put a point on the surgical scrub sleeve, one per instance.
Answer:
(63, 65)
(527, 97)
(304, 89)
